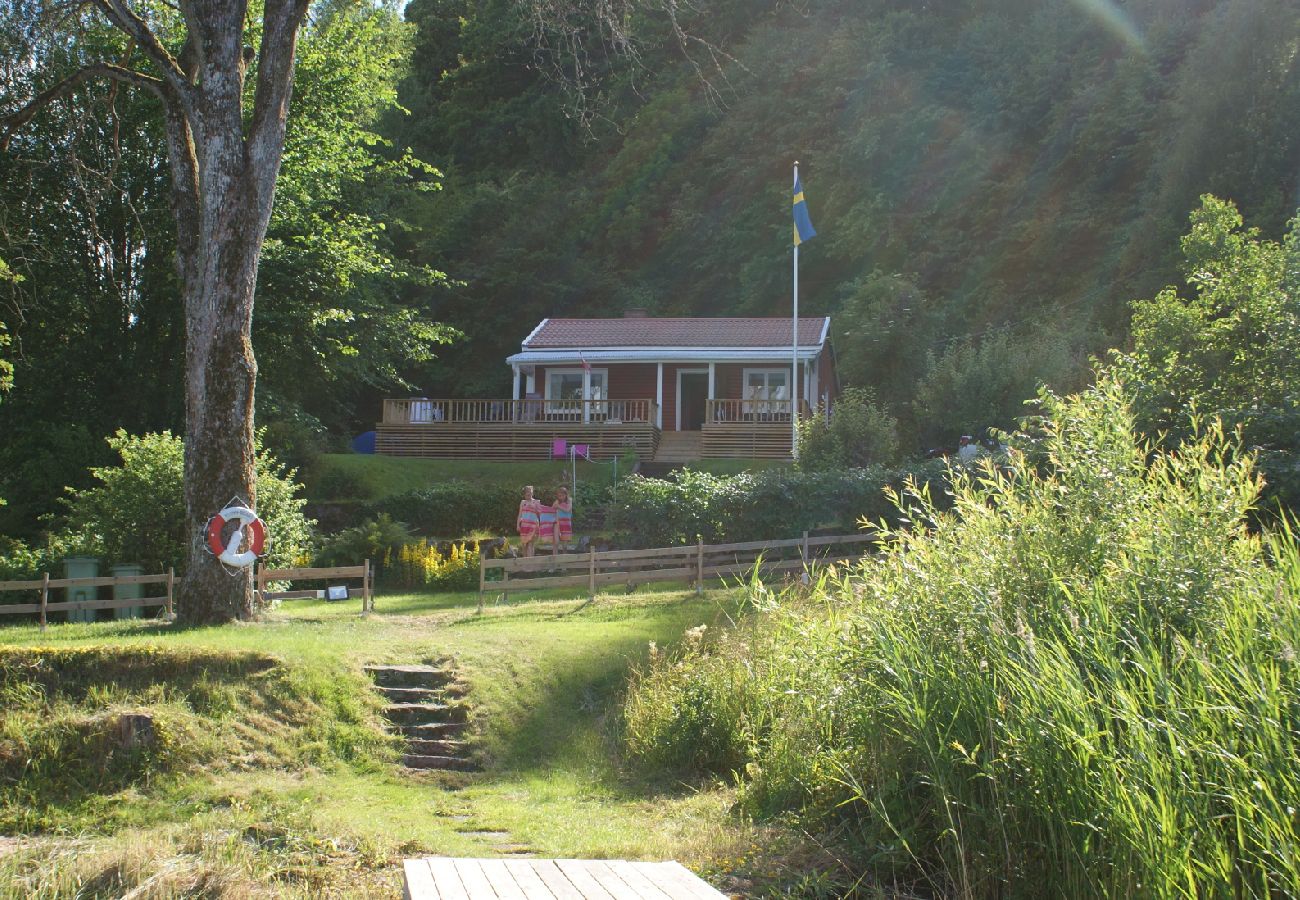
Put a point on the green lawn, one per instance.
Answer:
(309, 802)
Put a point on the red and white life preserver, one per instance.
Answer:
(229, 553)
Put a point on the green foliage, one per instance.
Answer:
(372, 540)
(340, 311)
(753, 506)
(859, 433)
(136, 512)
(1228, 349)
(980, 384)
(6, 367)
(454, 509)
(426, 565)
(1080, 676)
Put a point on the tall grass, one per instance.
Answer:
(1081, 680)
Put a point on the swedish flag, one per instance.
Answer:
(803, 228)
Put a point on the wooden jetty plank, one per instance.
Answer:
(419, 880)
(676, 873)
(633, 876)
(501, 880)
(531, 883)
(447, 879)
(476, 883)
(609, 880)
(578, 872)
(555, 880)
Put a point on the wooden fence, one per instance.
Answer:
(336, 573)
(692, 562)
(47, 584)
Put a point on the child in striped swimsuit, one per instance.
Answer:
(529, 521)
(563, 516)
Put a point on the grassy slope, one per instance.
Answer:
(371, 477)
(545, 676)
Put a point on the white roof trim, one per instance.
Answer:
(532, 334)
(826, 327)
(664, 355)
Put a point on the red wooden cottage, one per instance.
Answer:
(670, 388)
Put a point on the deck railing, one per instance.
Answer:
(424, 411)
(756, 411)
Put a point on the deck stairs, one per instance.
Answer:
(679, 447)
(426, 706)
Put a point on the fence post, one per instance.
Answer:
(591, 577)
(367, 592)
(45, 596)
(171, 581)
(804, 578)
(699, 564)
(482, 576)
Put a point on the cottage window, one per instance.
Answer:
(564, 392)
(766, 392)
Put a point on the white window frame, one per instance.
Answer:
(598, 409)
(761, 404)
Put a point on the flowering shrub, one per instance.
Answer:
(422, 564)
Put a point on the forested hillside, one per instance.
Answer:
(993, 183)
(970, 166)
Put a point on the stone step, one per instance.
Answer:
(410, 694)
(437, 747)
(411, 676)
(423, 713)
(430, 731)
(452, 763)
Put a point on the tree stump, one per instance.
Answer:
(134, 731)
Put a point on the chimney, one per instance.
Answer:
(636, 312)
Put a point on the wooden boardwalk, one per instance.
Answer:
(444, 878)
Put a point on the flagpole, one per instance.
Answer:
(794, 348)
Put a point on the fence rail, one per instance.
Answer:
(46, 584)
(332, 573)
(689, 562)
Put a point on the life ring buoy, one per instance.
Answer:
(250, 527)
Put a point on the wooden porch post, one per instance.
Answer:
(586, 395)
(659, 396)
(712, 379)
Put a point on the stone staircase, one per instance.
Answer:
(679, 447)
(426, 706)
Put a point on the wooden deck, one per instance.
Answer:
(444, 878)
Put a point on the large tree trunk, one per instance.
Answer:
(237, 166)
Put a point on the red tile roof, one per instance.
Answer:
(555, 334)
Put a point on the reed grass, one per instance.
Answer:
(1080, 681)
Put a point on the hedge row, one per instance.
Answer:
(765, 505)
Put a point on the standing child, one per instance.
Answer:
(563, 517)
(529, 521)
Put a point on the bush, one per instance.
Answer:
(858, 433)
(753, 506)
(373, 540)
(422, 564)
(136, 514)
(1082, 676)
(453, 509)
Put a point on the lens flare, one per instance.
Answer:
(1116, 21)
